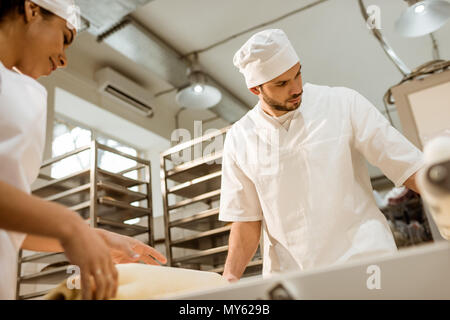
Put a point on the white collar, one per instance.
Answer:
(23, 77)
(263, 119)
(277, 122)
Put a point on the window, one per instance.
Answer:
(68, 137)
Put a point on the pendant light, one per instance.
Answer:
(423, 17)
(198, 95)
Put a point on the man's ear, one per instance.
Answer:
(255, 90)
(32, 11)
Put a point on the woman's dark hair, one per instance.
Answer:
(9, 7)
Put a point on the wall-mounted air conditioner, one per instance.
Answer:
(125, 91)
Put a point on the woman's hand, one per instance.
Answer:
(86, 249)
(125, 249)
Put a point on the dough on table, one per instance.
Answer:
(141, 281)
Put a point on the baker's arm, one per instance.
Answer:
(243, 242)
(41, 244)
(410, 183)
(382, 144)
(123, 249)
(239, 202)
(28, 214)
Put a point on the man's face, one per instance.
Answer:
(46, 40)
(284, 93)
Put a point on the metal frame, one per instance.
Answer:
(401, 66)
(190, 177)
(94, 180)
(108, 205)
(408, 121)
(402, 103)
(151, 238)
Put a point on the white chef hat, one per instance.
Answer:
(65, 9)
(265, 56)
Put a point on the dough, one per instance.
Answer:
(141, 281)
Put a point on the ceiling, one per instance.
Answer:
(334, 44)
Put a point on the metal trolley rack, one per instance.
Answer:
(194, 236)
(104, 199)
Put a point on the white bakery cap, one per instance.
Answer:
(65, 9)
(265, 56)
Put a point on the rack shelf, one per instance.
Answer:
(115, 210)
(34, 295)
(49, 277)
(254, 267)
(192, 186)
(197, 186)
(56, 186)
(121, 228)
(44, 257)
(212, 195)
(202, 221)
(196, 168)
(203, 239)
(204, 256)
(73, 196)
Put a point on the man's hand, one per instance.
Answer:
(411, 183)
(230, 278)
(125, 249)
(242, 245)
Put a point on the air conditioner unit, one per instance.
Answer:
(125, 91)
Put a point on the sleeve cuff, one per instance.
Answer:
(409, 172)
(228, 218)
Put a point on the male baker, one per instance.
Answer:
(294, 167)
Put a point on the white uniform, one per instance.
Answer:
(313, 193)
(22, 137)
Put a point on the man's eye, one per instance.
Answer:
(281, 84)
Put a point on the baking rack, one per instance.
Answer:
(190, 183)
(104, 199)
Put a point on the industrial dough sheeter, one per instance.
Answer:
(421, 272)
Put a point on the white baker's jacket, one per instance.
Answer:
(306, 179)
(23, 116)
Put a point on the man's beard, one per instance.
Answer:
(282, 106)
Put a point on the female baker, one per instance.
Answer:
(34, 35)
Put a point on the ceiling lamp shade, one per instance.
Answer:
(198, 95)
(423, 17)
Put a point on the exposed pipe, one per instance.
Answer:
(177, 118)
(143, 47)
(401, 66)
(436, 54)
(115, 28)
